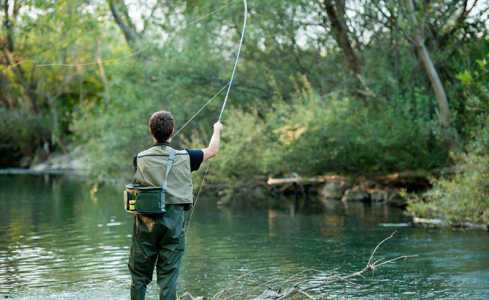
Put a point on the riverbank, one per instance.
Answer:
(398, 189)
(72, 163)
(394, 189)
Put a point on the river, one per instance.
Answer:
(58, 242)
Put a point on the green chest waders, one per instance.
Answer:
(149, 199)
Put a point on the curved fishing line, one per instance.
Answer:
(237, 59)
(117, 59)
(200, 110)
(206, 171)
(202, 183)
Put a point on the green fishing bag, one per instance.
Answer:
(144, 199)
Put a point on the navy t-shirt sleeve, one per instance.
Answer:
(196, 158)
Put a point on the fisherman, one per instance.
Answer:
(159, 239)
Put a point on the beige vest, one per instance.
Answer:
(150, 171)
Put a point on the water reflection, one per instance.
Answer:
(59, 243)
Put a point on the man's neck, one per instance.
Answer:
(162, 143)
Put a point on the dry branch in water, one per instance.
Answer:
(371, 266)
(296, 286)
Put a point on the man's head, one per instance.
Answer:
(161, 125)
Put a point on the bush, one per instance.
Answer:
(315, 135)
(464, 198)
(21, 133)
(241, 160)
(330, 134)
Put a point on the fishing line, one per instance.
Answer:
(226, 98)
(202, 183)
(200, 110)
(117, 59)
(237, 59)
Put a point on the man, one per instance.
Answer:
(159, 239)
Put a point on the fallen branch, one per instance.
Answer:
(304, 180)
(298, 285)
(384, 179)
(371, 266)
(442, 223)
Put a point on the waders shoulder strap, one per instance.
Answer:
(169, 164)
(172, 154)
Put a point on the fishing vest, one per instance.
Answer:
(162, 176)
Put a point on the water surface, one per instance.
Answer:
(58, 242)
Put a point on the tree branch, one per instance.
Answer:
(340, 31)
(121, 16)
(290, 288)
(29, 85)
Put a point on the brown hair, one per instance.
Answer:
(161, 125)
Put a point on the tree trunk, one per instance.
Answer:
(28, 86)
(335, 12)
(9, 47)
(436, 84)
(8, 26)
(431, 72)
(335, 9)
(121, 16)
(5, 98)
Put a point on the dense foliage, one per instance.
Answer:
(465, 196)
(352, 87)
(21, 135)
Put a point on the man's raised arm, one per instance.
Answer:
(214, 143)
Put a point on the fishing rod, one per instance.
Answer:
(226, 98)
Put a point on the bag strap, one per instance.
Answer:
(172, 154)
